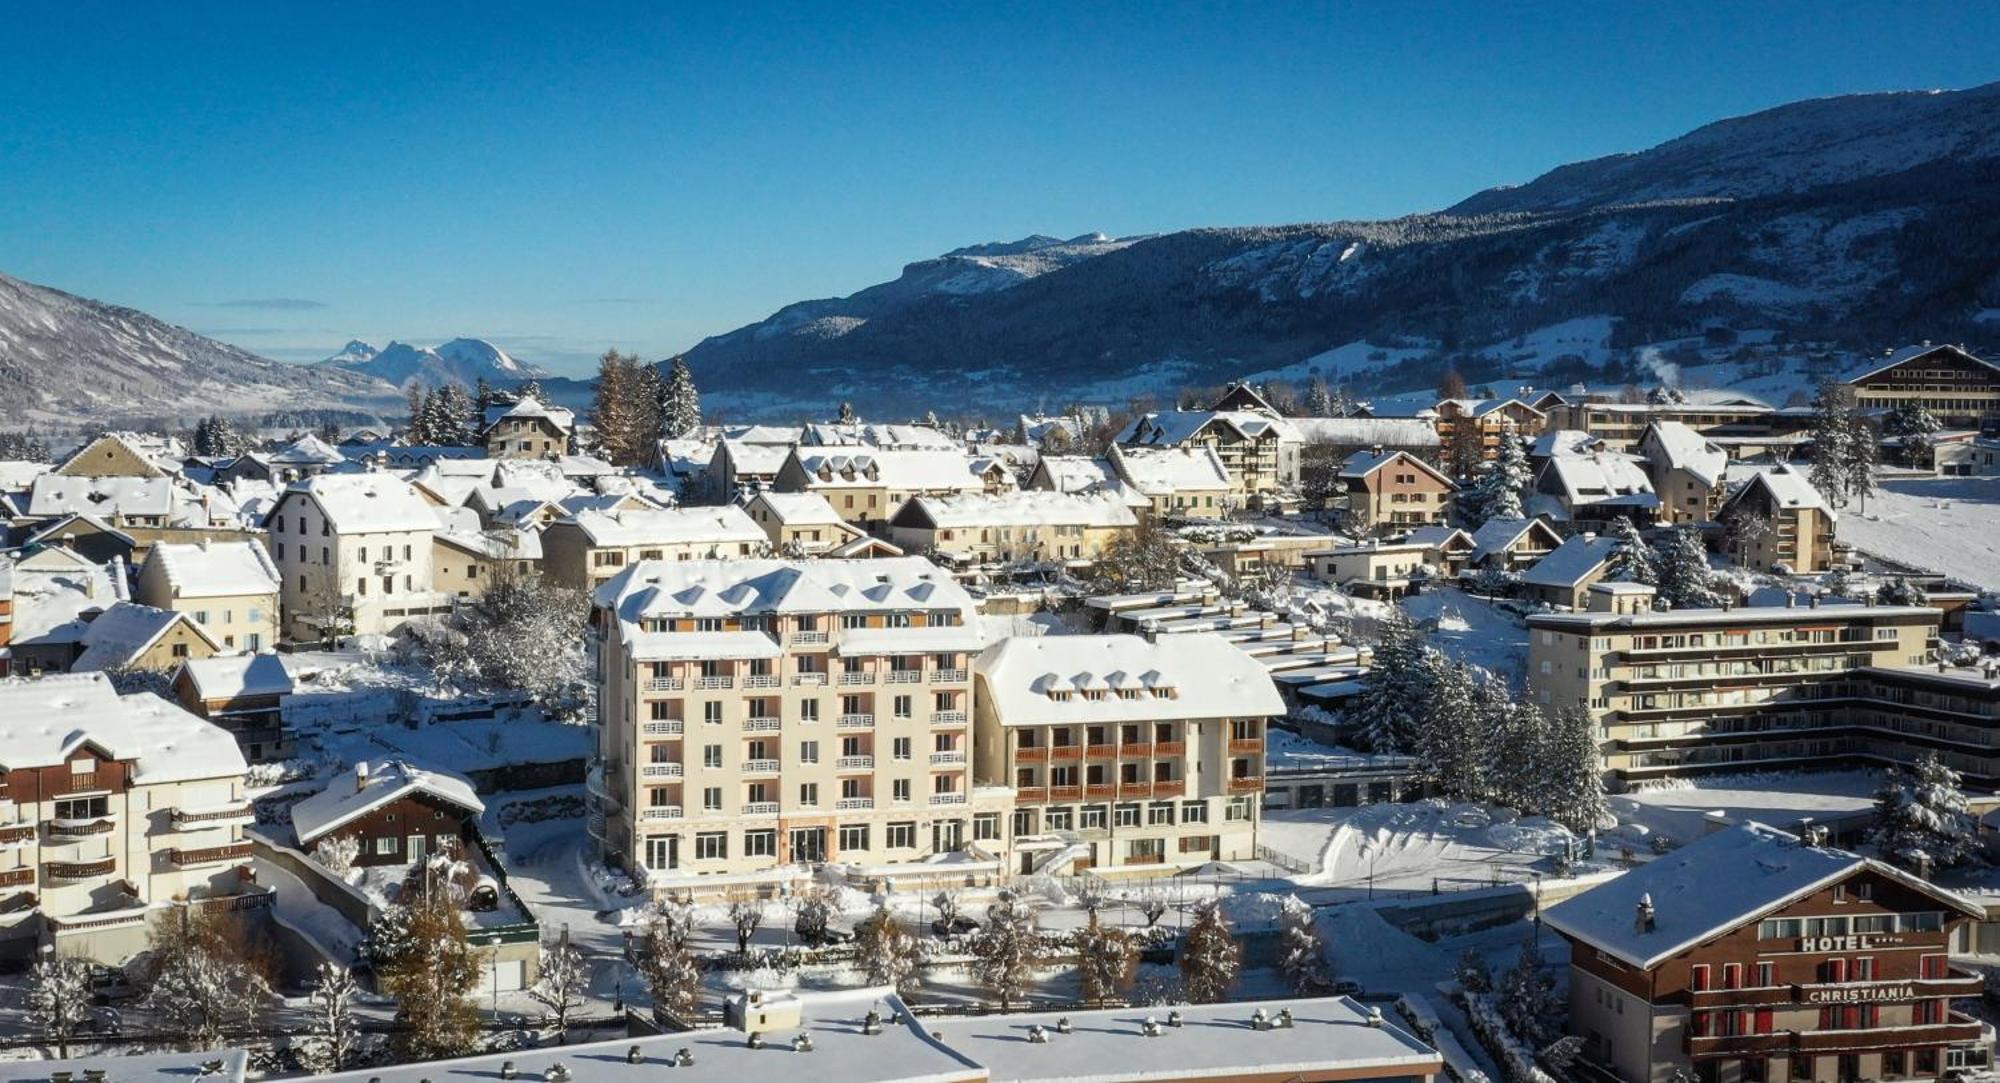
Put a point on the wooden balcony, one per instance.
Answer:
(1135, 789)
(1100, 752)
(17, 833)
(77, 829)
(1065, 793)
(1252, 784)
(211, 855)
(1038, 754)
(1247, 747)
(1959, 1028)
(80, 870)
(211, 817)
(1101, 791)
(1065, 753)
(1169, 749)
(17, 877)
(1145, 859)
(1138, 750)
(1169, 787)
(83, 783)
(1031, 795)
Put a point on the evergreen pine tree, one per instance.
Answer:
(431, 975)
(484, 396)
(1528, 1000)
(1500, 492)
(1864, 447)
(1106, 960)
(1319, 401)
(1514, 739)
(1921, 818)
(1389, 711)
(1917, 427)
(1211, 959)
(1632, 560)
(1832, 437)
(681, 413)
(612, 413)
(1451, 734)
(1572, 785)
(452, 417)
(1301, 949)
(649, 403)
(1684, 575)
(846, 413)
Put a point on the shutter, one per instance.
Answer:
(1764, 1021)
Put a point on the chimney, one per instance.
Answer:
(1814, 602)
(360, 776)
(1791, 600)
(1644, 921)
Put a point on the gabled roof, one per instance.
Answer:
(216, 569)
(1440, 537)
(1363, 463)
(1163, 471)
(1713, 885)
(667, 526)
(62, 494)
(1034, 507)
(238, 675)
(1788, 489)
(1499, 535)
(1557, 442)
(1911, 353)
(798, 509)
(43, 721)
(1570, 563)
(1389, 432)
(721, 588)
(130, 442)
(870, 434)
(930, 471)
(307, 450)
(365, 503)
(1604, 477)
(1078, 473)
(1173, 427)
(127, 630)
(1196, 675)
(51, 533)
(351, 796)
(1682, 448)
(532, 408)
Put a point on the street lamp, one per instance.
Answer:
(619, 975)
(493, 958)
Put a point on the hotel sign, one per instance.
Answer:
(1850, 942)
(1861, 994)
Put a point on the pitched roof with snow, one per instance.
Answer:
(1682, 448)
(668, 526)
(914, 471)
(1033, 680)
(1363, 463)
(798, 509)
(216, 569)
(307, 450)
(1035, 507)
(1571, 562)
(1390, 432)
(238, 675)
(365, 503)
(1164, 471)
(1556, 442)
(61, 494)
(746, 457)
(1079, 473)
(530, 407)
(720, 588)
(126, 630)
(352, 796)
(870, 434)
(1789, 490)
(1604, 477)
(1496, 535)
(1169, 428)
(1711, 886)
(1911, 353)
(43, 721)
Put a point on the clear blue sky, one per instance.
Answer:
(288, 176)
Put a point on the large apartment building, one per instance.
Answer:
(1960, 390)
(1123, 751)
(1731, 689)
(111, 808)
(756, 713)
(353, 550)
(229, 588)
(585, 550)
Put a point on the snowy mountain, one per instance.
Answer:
(1848, 223)
(66, 359)
(460, 361)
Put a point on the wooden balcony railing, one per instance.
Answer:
(1100, 790)
(1252, 784)
(1169, 749)
(1038, 754)
(80, 870)
(17, 877)
(1245, 747)
(1031, 795)
(1171, 787)
(1065, 753)
(209, 855)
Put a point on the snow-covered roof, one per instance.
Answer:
(43, 721)
(1604, 477)
(370, 787)
(1363, 463)
(874, 642)
(1396, 432)
(683, 457)
(1734, 617)
(1172, 427)
(238, 675)
(144, 1068)
(125, 631)
(1438, 536)
(1038, 507)
(1571, 562)
(216, 569)
(1164, 471)
(146, 450)
(912, 471)
(1034, 680)
(690, 646)
(1329, 1037)
(61, 494)
(870, 434)
(668, 526)
(753, 458)
(531, 407)
(1788, 488)
(307, 450)
(1557, 442)
(1497, 535)
(761, 435)
(799, 509)
(708, 588)
(1911, 353)
(1079, 473)
(54, 531)
(365, 503)
(1682, 448)
(1711, 886)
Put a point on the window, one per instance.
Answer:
(854, 837)
(1160, 814)
(1194, 812)
(809, 794)
(1238, 810)
(711, 756)
(1024, 822)
(808, 710)
(900, 748)
(1092, 818)
(711, 845)
(901, 836)
(899, 789)
(986, 826)
(385, 846)
(760, 843)
(659, 853)
(711, 714)
(711, 798)
(1698, 977)
(1767, 975)
(902, 706)
(1126, 816)
(808, 751)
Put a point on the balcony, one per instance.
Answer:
(1250, 784)
(196, 819)
(944, 759)
(1960, 1028)
(1247, 747)
(1170, 749)
(664, 684)
(209, 855)
(762, 724)
(64, 871)
(1135, 789)
(81, 828)
(1065, 753)
(948, 676)
(906, 676)
(947, 718)
(857, 677)
(947, 799)
(1065, 793)
(88, 782)
(1773, 995)
(1137, 750)
(760, 767)
(14, 833)
(806, 639)
(1145, 859)
(1100, 752)
(854, 721)
(1031, 795)
(814, 680)
(854, 804)
(1037, 754)
(760, 808)
(761, 680)
(661, 770)
(855, 763)
(660, 812)
(714, 682)
(672, 727)
(17, 877)
(1097, 791)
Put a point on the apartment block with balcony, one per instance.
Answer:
(757, 714)
(353, 551)
(1779, 523)
(1753, 955)
(1125, 754)
(112, 810)
(1700, 690)
(590, 548)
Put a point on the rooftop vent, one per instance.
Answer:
(684, 1058)
(756, 1040)
(1150, 1028)
(1375, 1017)
(1038, 1035)
(803, 1043)
(557, 1073)
(873, 1023)
(1643, 922)
(635, 1055)
(1174, 1018)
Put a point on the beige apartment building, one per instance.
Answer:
(1394, 491)
(1124, 754)
(761, 713)
(866, 486)
(114, 809)
(1030, 525)
(1778, 521)
(588, 549)
(354, 550)
(800, 522)
(1686, 469)
(230, 589)
(1697, 690)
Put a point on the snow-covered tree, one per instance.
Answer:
(1007, 951)
(1211, 959)
(201, 982)
(1472, 973)
(1914, 424)
(1900, 591)
(815, 912)
(948, 907)
(746, 913)
(560, 988)
(889, 955)
(847, 416)
(1518, 737)
(1452, 737)
(1632, 560)
(1921, 818)
(680, 413)
(451, 418)
(1144, 558)
(617, 414)
(59, 1000)
(1844, 446)
(1573, 781)
(669, 967)
(214, 436)
(333, 1033)
(1319, 401)
(1389, 711)
(1528, 1001)
(522, 632)
(1501, 491)
(23, 447)
(431, 971)
(1684, 575)
(1106, 960)
(1301, 949)
(337, 854)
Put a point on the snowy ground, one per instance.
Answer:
(1948, 525)
(1411, 846)
(1780, 800)
(1473, 630)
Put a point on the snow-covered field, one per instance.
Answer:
(1948, 525)
(1780, 800)
(1473, 630)
(1409, 846)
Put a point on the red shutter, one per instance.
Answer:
(1764, 1022)
(1836, 969)
(1698, 1024)
(1698, 977)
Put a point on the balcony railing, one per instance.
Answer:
(1037, 754)
(14, 833)
(661, 770)
(665, 684)
(855, 763)
(852, 677)
(660, 812)
(948, 676)
(1101, 790)
(947, 799)
(213, 817)
(809, 679)
(1135, 750)
(1065, 793)
(715, 682)
(760, 808)
(854, 804)
(939, 759)
(1100, 752)
(17, 877)
(1169, 749)
(854, 721)
(947, 718)
(760, 767)
(1135, 789)
(1031, 795)
(1246, 746)
(80, 870)
(906, 676)
(82, 828)
(762, 724)
(1145, 859)
(672, 727)
(209, 855)
(1065, 753)
(761, 680)
(1249, 784)
(801, 639)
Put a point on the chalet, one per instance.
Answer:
(1562, 579)
(230, 589)
(242, 693)
(1686, 469)
(1509, 545)
(128, 636)
(528, 429)
(1595, 488)
(1011, 527)
(396, 812)
(587, 549)
(1471, 430)
(1757, 955)
(1446, 547)
(114, 455)
(1394, 491)
(1777, 520)
(1960, 390)
(1184, 482)
(867, 486)
(801, 522)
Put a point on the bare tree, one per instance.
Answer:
(746, 912)
(59, 999)
(561, 985)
